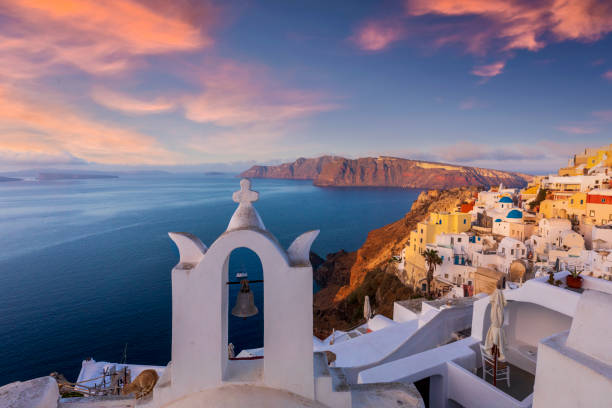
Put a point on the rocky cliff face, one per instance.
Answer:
(346, 277)
(333, 171)
(301, 169)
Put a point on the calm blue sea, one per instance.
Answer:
(85, 264)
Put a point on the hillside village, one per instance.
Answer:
(558, 222)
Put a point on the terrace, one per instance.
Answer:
(538, 318)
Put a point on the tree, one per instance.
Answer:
(432, 259)
(541, 196)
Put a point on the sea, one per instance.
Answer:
(85, 264)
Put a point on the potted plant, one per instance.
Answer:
(574, 280)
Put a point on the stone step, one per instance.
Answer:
(321, 368)
(339, 382)
(115, 401)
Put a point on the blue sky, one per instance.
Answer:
(510, 84)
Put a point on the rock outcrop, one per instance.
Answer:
(347, 277)
(334, 171)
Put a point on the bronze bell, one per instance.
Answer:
(245, 303)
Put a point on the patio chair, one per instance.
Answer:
(488, 366)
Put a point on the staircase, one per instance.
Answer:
(331, 387)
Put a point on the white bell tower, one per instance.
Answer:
(200, 310)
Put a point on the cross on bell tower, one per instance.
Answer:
(245, 195)
(245, 215)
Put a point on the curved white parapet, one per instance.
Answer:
(191, 249)
(40, 392)
(299, 250)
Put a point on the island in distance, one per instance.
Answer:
(70, 176)
(335, 171)
(8, 179)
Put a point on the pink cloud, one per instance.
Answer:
(489, 70)
(97, 37)
(377, 35)
(608, 75)
(504, 25)
(50, 130)
(128, 104)
(238, 94)
(577, 130)
(468, 104)
(604, 115)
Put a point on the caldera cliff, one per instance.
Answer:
(335, 171)
(347, 277)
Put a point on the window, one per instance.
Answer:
(581, 201)
(512, 252)
(522, 252)
(464, 221)
(421, 230)
(458, 239)
(421, 240)
(446, 275)
(572, 201)
(603, 200)
(592, 213)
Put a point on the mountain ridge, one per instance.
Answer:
(385, 171)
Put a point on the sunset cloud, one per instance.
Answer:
(470, 103)
(28, 127)
(577, 129)
(608, 75)
(237, 94)
(377, 35)
(605, 115)
(95, 36)
(489, 70)
(503, 25)
(483, 27)
(128, 104)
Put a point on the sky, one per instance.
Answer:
(126, 84)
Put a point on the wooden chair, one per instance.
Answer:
(488, 367)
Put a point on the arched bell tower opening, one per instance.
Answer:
(245, 333)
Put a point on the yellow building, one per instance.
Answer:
(437, 223)
(588, 159)
(551, 208)
(530, 193)
(576, 205)
(573, 206)
(425, 233)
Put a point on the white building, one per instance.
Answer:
(574, 183)
(550, 229)
(564, 334)
(601, 237)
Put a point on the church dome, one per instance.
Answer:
(505, 199)
(514, 214)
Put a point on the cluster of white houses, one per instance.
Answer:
(558, 350)
(557, 222)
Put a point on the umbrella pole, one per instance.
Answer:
(494, 350)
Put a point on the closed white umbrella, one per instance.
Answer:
(367, 309)
(495, 342)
